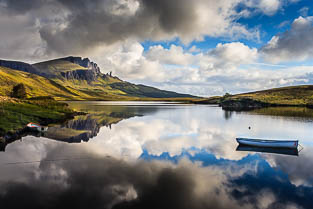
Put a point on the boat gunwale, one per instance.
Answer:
(266, 140)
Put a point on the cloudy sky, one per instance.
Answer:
(202, 47)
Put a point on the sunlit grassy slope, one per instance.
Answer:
(293, 95)
(35, 85)
(70, 90)
(105, 87)
(56, 66)
(285, 96)
(15, 114)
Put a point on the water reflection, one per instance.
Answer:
(227, 114)
(288, 113)
(2, 146)
(82, 128)
(283, 151)
(172, 156)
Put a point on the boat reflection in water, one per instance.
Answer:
(283, 151)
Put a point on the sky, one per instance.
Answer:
(201, 47)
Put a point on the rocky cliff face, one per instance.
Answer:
(88, 126)
(88, 75)
(84, 63)
(84, 124)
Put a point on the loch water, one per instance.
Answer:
(160, 155)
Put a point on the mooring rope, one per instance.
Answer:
(47, 160)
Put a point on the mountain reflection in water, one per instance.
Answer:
(83, 128)
(173, 156)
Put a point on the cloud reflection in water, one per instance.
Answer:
(181, 157)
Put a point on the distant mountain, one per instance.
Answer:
(75, 78)
(70, 68)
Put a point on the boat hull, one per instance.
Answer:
(292, 144)
(35, 127)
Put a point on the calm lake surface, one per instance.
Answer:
(160, 155)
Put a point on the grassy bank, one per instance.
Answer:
(15, 113)
(286, 96)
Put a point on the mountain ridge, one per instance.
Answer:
(81, 78)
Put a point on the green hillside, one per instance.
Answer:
(292, 95)
(35, 85)
(16, 113)
(56, 66)
(97, 85)
(75, 78)
(70, 90)
(284, 96)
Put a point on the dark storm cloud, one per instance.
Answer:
(73, 26)
(91, 23)
(172, 15)
(21, 7)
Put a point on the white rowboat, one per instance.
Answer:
(293, 144)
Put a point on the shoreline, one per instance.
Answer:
(15, 114)
(57, 112)
(246, 104)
